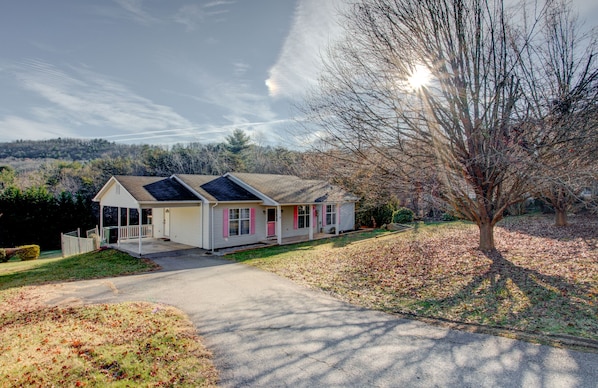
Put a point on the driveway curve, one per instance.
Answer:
(266, 331)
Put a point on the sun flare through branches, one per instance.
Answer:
(420, 77)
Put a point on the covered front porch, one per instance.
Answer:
(131, 224)
(135, 209)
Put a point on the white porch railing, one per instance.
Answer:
(132, 232)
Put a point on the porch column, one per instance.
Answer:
(311, 222)
(101, 222)
(118, 230)
(279, 225)
(338, 219)
(140, 218)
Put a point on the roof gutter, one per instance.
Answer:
(150, 204)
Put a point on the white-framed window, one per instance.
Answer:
(303, 216)
(239, 221)
(330, 214)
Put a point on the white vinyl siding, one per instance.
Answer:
(185, 225)
(217, 227)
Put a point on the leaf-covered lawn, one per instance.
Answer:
(542, 279)
(130, 344)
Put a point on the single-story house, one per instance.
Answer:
(215, 212)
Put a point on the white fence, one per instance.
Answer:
(73, 244)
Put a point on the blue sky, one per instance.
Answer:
(162, 71)
(152, 71)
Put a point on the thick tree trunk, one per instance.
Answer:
(560, 217)
(486, 236)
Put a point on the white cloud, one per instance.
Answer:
(19, 128)
(135, 10)
(85, 98)
(232, 95)
(190, 15)
(315, 25)
(218, 3)
(193, 15)
(240, 68)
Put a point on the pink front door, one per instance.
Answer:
(271, 222)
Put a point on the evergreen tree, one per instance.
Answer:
(237, 146)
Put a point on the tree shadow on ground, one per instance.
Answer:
(512, 296)
(313, 344)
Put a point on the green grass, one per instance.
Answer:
(279, 252)
(50, 254)
(542, 279)
(91, 265)
(119, 345)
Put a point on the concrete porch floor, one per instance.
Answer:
(152, 247)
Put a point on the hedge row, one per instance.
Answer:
(24, 252)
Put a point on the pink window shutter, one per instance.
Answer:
(323, 215)
(296, 217)
(314, 218)
(252, 221)
(225, 222)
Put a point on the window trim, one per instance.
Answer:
(303, 213)
(331, 214)
(241, 231)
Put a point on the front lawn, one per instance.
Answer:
(127, 344)
(91, 265)
(542, 280)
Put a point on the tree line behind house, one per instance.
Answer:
(42, 196)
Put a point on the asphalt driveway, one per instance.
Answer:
(266, 331)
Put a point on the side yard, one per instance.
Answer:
(127, 344)
(542, 282)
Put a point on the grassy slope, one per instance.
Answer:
(87, 266)
(128, 344)
(543, 279)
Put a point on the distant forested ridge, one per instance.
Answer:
(47, 186)
(66, 149)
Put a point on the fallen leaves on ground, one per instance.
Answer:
(130, 344)
(542, 278)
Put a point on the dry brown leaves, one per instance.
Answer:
(542, 277)
(132, 343)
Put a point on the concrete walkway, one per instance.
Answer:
(266, 331)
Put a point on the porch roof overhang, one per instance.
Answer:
(260, 202)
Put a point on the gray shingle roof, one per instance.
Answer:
(196, 182)
(170, 190)
(289, 189)
(149, 189)
(283, 189)
(224, 189)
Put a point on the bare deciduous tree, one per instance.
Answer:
(435, 85)
(560, 77)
